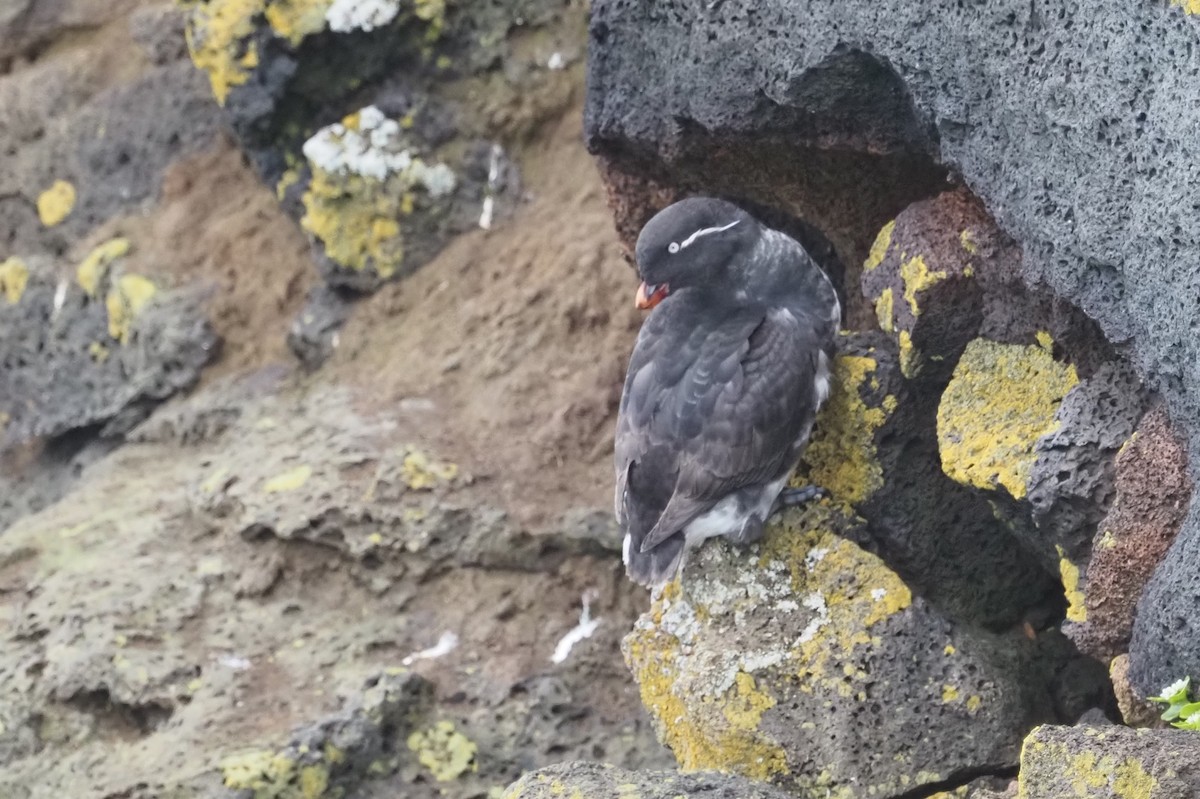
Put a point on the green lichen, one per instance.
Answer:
(14, 276)
(842, 455)
(447, 753)
(1001, 399)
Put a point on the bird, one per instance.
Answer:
(724, 383)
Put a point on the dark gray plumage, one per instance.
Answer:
(724, 383)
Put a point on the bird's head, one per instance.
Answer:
(691, 244)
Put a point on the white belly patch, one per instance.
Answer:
(727, 516)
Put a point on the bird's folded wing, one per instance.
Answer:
(743, 392)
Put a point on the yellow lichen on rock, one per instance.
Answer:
(1001, 399)
(55, 204)
(295, 20)
(420, 473)
(274, 776)
(261, 772)
(289, 480)
(289, 178)
(866, 593)
(842, 456)
(918, 277)
(14, 276)
(910, 357)
(354, 217)
(447, 753)
(431, 11)
(365, 171)
(93, 269)
(1190, 7)
(124, 302)
(732, 743)
(216, 39)
(1086, 773)
(880, 246)
(219, 35)
(967, 240)
(1076, 603)
(885, 311)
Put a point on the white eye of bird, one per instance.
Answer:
(673, 247)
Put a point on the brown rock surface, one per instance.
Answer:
(1152, 496)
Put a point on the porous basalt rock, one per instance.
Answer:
(1109, 762)
(313, 335)
(805, 660)
(111, 142)
(874, 448)
(98, 352)
(337, 753)
(595, 781)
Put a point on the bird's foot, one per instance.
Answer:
(794, 497)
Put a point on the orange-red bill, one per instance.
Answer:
(649, 295)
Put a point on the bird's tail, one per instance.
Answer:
(656, 567)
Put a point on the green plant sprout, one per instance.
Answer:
(1181, 711)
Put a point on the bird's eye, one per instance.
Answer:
(673, 247)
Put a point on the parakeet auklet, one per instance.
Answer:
(724, 383)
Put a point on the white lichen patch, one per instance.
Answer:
(816, 603)
(374, 147)
(753, 662)
(878, 593)
(345, 16)
(814, 556)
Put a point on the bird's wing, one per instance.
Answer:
(708, 412)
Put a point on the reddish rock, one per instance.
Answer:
(633, 199)
(1153, 492)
